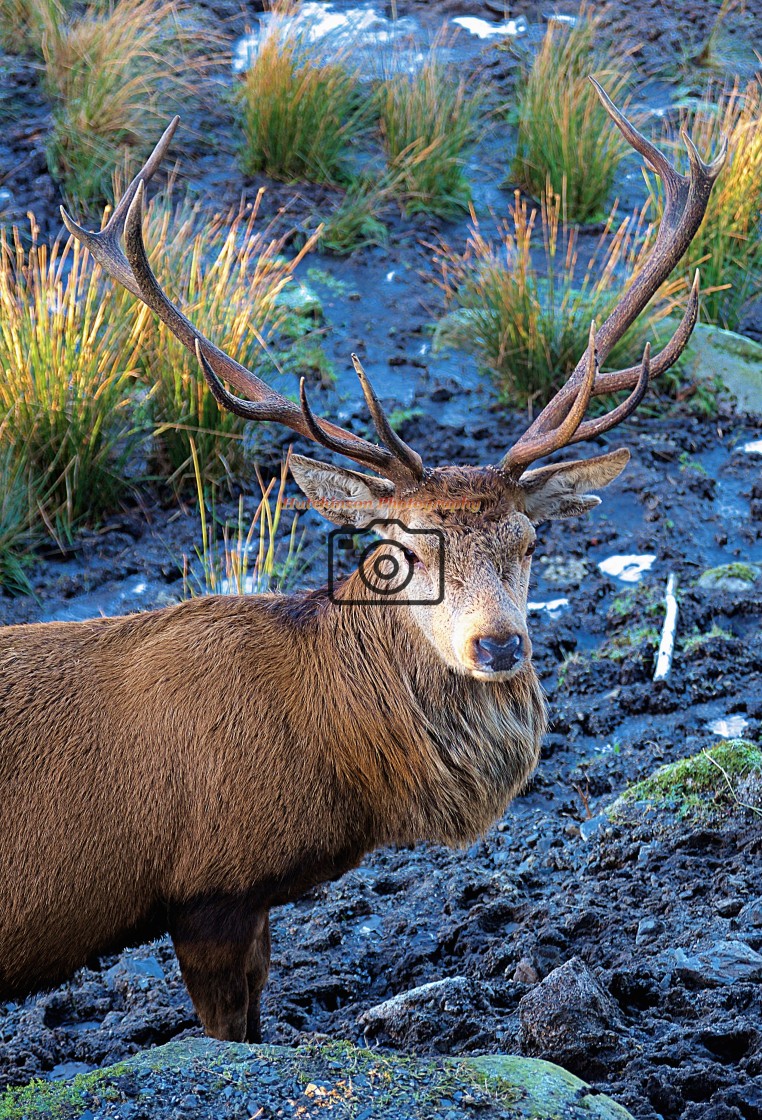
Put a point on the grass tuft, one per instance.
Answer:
(356, 222)
(236, 559)
(564, 133)
(428, 122)
(528, 322)
(728, 245)
(299, 114)
(115, 75)
(233, 280)
(67, 369)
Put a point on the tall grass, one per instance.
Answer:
(728, 245)
(527, 321)
(115, 75)
(23, 22)
(564, 133)
(236, 558)
(14, 520)
(66, 375)
(428, 121)
(230, 278)
(299, 115)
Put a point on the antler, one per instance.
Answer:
(561, 421)
(395, 460)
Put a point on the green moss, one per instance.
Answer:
(700, 781)
(744, 572)
(60, 1100)
(342, 1078)
(697, 638)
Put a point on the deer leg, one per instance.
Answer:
(257, 971)
(219, 946)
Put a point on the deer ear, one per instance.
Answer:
(554, 492)
(341, 495)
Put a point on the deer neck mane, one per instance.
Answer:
(450, 751)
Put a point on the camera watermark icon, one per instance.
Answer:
(384, 565)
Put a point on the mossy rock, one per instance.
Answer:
(328, 1079)
(730, 577)
(735, 359)
(700, 784)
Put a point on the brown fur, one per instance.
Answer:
(187, 769)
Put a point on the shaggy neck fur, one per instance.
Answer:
(444, 752)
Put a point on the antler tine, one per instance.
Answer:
(104, 246)
(685, 202)
(534, 447)
(589, 429)
(132, 269)
(386, 432)
(362, 451)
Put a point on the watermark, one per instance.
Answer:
(336, 505)
(384, 566)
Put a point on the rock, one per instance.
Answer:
(590, 828)
(230, 1078)
(570, 1019)
(730, 577)
(724, 962)
(737, 360)
(525, 972)
(403, 1016)
(751, 915)
(648, 929)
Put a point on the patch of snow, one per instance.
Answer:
(628, 569)
(551, 606)
(484, 30)
(729, 728)
(753, 448)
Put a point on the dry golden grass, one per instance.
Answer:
(728, 246)
(228, 276)
(299, 114)
(115, 76)
(66, 372)
(428, 122)
(564, 133)
(527, 320)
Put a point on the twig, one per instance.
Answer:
(667, 644)
(733, 794)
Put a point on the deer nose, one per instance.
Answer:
(499, 654)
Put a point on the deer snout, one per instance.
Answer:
(499, 653)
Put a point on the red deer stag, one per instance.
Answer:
(187, 769)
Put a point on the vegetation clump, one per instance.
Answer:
(67, 369)
(526, 320)
(728, 246)
(565, 137)
(299, 115)
(428, 122)
(233, 279)
(704, 781)
(115, 75)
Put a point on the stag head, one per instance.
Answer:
(467, 533)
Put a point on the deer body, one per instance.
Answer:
(140, 797)
(188, 769)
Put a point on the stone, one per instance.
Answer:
(525, 972)
(570, 1019)
(751, 914)
(723, 962)
(735, 359)
(273, 1078)
(730, 577)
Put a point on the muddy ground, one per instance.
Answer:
(553, 881)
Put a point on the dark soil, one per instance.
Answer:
(555, 880)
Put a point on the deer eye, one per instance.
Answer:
(530, 550)
(410, 556)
